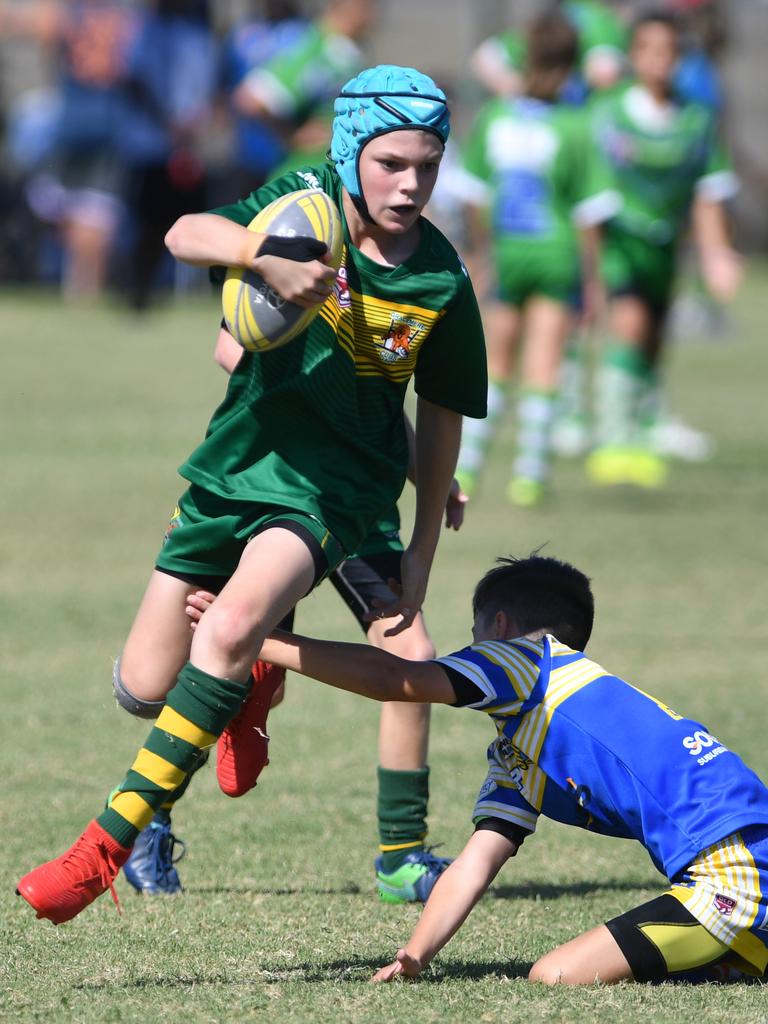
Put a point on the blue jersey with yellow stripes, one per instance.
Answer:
(584, 747)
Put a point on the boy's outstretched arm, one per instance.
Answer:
(456, 892)
(359, 668)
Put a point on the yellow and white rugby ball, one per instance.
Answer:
(256, 316)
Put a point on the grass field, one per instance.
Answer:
(279, 921)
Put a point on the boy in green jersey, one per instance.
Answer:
(669, 167)
(534, 164)
(307, 450)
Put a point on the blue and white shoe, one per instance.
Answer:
(150, 868)
(413, 881)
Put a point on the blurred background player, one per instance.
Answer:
(498, 64)
(535, 166)
(271, 29)
(669, 166)
(294, 92)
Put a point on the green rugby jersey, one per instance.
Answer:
(317, 425)
(540, 172)
(661, 156)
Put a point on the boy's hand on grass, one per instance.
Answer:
(404, 966)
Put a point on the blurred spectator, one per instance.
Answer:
(70, 137)
(169, 90)
(252, 44)
(296, 90)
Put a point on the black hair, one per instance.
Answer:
(539, 593)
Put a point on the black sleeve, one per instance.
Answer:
(514, 833)
(466, 691)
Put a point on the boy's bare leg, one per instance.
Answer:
(159, 640)
(592, 957)
(403, 728)
(276, 570)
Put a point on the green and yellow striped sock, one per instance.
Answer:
(196, 712)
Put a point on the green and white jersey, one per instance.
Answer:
(317, 425)
(308, 75)
(539, 171)
(661, 155)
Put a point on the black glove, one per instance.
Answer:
(301, 248)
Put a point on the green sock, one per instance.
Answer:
(477, 435)
(621, 380)
(535, 415)
(402, 814)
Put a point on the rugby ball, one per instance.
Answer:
(256, 316)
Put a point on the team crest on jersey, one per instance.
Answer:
(724, 904)
(341, 288)
(397, 342)
(512, 756)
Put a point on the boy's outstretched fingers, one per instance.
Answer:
(197, 605)
(404, 966)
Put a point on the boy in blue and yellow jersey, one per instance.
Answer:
(307, 451)
(566, 747)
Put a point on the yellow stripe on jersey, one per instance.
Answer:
(172, 722)
(520, 672)
(133, 808)
(158, 770)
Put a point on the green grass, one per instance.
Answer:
(279, 921)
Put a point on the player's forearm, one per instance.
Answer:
(455, 894)
(710, 226)
(205, 240)
(438, 434)
(356, 668)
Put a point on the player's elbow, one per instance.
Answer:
(177, 236)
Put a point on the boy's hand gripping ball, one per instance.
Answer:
(256, 316)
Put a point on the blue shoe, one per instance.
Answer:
(413, 881)
(150, 868)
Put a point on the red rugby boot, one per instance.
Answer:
(242, 751)
(59, 889)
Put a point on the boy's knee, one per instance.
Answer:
(134, 705)
(546, 971)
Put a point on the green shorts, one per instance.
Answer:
(633, 266)
(523, 272)
(384, 536)
(207, 535)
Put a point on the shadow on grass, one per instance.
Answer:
(544, 891)
(355, 969)
(350, 889)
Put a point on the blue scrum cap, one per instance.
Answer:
(379, 100)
